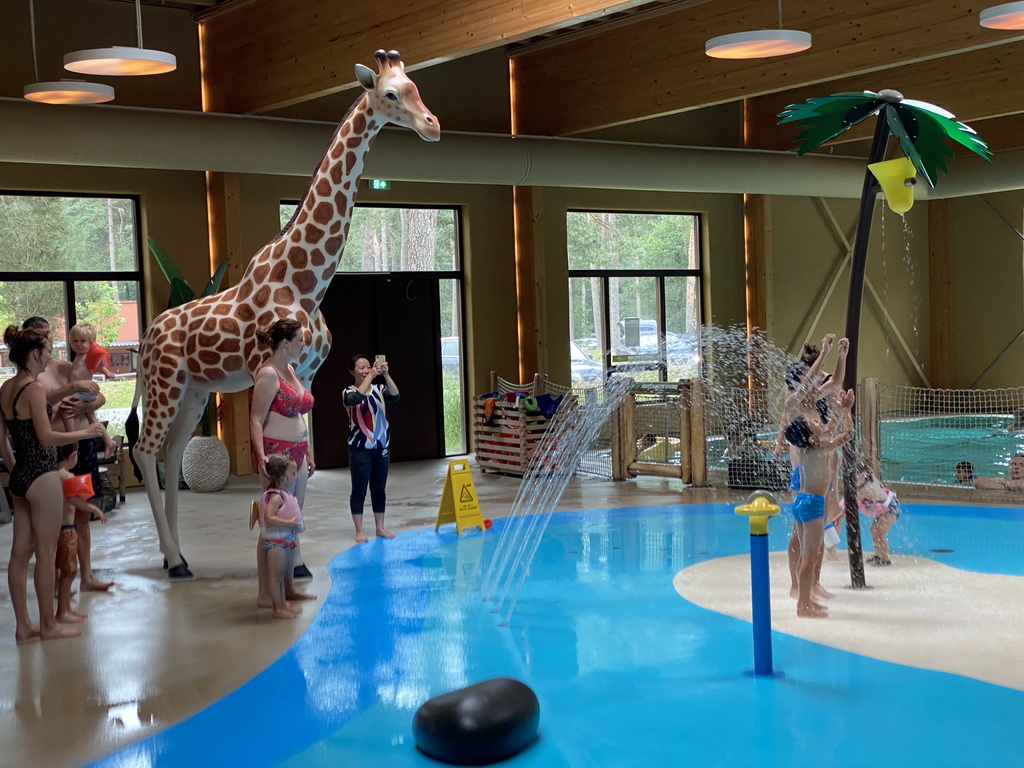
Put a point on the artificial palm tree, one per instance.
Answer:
(924, 132)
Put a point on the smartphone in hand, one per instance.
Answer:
(379, 359)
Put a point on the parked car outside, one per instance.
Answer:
(450, 350)
(585, 369)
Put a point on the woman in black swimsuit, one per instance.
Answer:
(35, 485)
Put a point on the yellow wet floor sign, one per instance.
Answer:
(459, 502)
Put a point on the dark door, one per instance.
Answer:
(393, 315)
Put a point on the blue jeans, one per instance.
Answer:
(369, 467)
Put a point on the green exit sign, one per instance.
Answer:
(380, 184)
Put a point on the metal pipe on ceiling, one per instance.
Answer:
(130, 137)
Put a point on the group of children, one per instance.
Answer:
(90, 359)
(816, 422)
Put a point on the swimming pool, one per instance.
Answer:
(627, 672)
(925, 450)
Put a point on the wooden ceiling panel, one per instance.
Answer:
(975, 86)
(657, 65)
(267, 54)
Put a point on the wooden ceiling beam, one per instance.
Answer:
(975, 86)
(266, 54)
(657, 65)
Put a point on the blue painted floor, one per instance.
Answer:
(627, 672)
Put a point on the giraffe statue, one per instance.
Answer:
(209, 344)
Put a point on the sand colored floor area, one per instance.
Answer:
(917, 612)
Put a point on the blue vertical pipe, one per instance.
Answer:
(761, 606)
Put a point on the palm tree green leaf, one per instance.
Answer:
(822, 119)
(923, 130)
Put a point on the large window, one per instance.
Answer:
(75, 260)
(635, 292)
(391, 239)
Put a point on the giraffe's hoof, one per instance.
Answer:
(180, 573)
(183, 562)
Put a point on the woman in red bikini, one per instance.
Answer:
(276, 425)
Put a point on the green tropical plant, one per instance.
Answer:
(182, 293)
(924, 132)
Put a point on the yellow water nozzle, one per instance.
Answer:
(760, 507)
(897, 178)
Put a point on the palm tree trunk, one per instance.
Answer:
(857, 269)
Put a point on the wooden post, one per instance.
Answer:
(869, 409)
(628, 433)
(224, 207)
(685, 428)
(698, 448)
(618, 469)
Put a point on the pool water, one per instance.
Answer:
(925, 450)
(627, 672)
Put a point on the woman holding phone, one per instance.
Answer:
(368, 438)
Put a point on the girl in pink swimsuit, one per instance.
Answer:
(277, 425)
(280, 525)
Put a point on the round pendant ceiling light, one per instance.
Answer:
(68, 92)
(758, 44)
(120, 60)
(1005, 16)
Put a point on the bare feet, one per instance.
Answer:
(286, 613)
(361, 537)
(385, 534)
(820, 592)
(812, 611)
(71, 617)
(58, 632)
(92, 585)
(110, 448)
(299, 596)
(21, 635)
(794, 592)
(264, 602)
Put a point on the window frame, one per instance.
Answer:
(659, 276)
(69, 277)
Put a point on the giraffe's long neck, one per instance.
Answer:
(321, 222)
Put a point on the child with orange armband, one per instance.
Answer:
(77, 489)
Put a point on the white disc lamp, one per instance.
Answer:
(121, 60)
(1005, 16)
(68, 92)
(61, 91)
(758, 44)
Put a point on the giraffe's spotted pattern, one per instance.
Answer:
(210, 341)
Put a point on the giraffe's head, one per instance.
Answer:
(395, 97)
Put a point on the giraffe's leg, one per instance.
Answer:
(187, 417)
(147, 464)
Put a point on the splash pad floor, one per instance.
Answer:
(624, 631)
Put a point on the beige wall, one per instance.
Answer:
(988, 285)
(988, 289)
(809, 246)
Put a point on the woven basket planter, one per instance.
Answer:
(206, 465)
